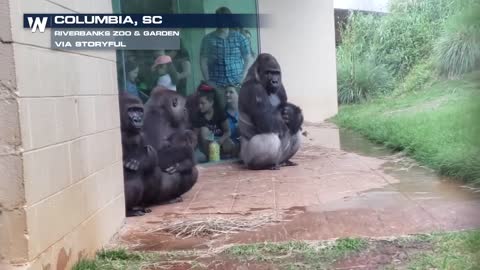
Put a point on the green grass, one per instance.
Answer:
(437, 126)
(459, 250)
(442, 251)
(295, 255)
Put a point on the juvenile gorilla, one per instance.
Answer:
(165, 125)
(138, 158)
(269, 126)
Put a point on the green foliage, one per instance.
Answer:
(118, 254)
(380, 53)
(405, 37)
(457, 250)
(419, 77)
(360, 79)
(457, 51)
(85, 265)
(434, 126)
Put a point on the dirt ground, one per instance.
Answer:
(344, 186)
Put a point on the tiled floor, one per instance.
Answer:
(332, 193)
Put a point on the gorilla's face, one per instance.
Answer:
(132, 112)
(271, 80)
(269, 73)
(135, 117)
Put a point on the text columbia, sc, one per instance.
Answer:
(106, 19)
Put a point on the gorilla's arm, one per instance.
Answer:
(256, 104)
(176, 159)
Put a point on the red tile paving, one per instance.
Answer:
(332, 193)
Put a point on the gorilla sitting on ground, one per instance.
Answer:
(165, 128)
(269, 126)
(139, 159)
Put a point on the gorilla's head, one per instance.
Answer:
(266, 71)
(131, 112)
(171, 103)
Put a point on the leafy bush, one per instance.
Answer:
(457, 51)
(359, 79)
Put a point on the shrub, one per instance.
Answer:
(359, 79)
(457, 51)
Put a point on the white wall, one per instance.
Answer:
(301, 35)
(365, 5)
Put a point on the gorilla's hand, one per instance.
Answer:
(172, 169)
(132, 164)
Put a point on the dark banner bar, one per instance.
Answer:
(140, 20)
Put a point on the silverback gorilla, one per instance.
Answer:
(269, 125)
(138, 158)
(166, 119)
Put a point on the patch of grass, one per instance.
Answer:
(457, 250)
(118, 255)
(438, 126)
(420, 76)
(292, 255)
(86, 265)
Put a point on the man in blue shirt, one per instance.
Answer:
(224, 58)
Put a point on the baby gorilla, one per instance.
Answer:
(177, 152)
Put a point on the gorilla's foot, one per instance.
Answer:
(176, 200)
(135, 213)
(275, 168)
(289, 163)
(142, 209)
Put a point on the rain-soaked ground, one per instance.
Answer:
(344, 186)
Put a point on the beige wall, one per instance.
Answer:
(301, 35)
(61, 182)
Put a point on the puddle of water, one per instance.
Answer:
(415, 181)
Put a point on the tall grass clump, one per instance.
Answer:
(360, 79)
(457, 51)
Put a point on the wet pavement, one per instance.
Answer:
(344, 186)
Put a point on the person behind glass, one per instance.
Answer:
(211, 123)
(225, 57)
(131, 70)
(162, 68)
(231, 109)
(182, 67)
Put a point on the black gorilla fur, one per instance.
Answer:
(264, 110)
(165, 128)
(138, 158)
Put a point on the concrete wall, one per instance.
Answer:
(301, 35)
(61, 182)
